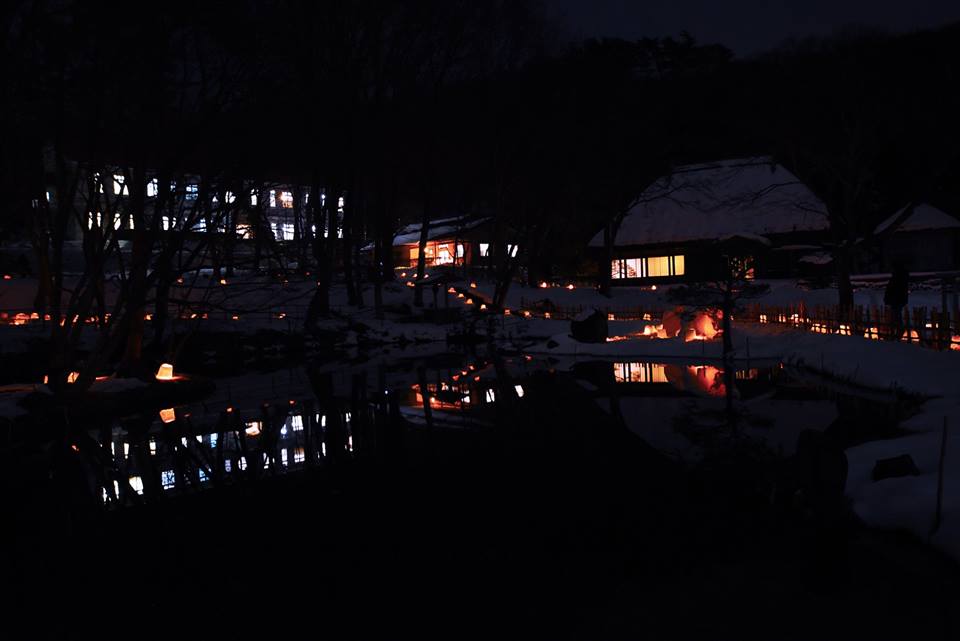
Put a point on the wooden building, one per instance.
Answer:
(671, 233)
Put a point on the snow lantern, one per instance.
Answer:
(165, 373)
(168, 415)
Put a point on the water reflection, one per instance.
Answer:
(696, 379)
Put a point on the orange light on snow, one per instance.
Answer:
(165, 373)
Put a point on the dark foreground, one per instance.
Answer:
(557, 524)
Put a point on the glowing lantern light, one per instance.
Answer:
(519, 390)
(483, 305)
(451, 290)
(526, 313)
(543, 284)
(473, 285)
(168, 415)
(165, 373)
(409, 283)
(223, 281)
(546, 314)
(460, 295)
(609, 316)
(180, 281)
(253, 428)
(72, 377)
(506, 312)
(653, 287)
(469, 301)
(570, 286)
(763, 318)
(235, 317)
(7, 277)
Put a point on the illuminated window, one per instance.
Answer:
(484, 249)
(152, 187)
(414, 253)
(288, 231)
(298, 456)
(253, 197)
(227, 465)
(153, 447)
(647, 267)
(191, 192)
(93, 220)
(200, 225)
(297, 423)
(519, 390)
(168, 479)
(203, 475)
(512, 250)
(491, 396)
(459, 250)
(244, 231)
(286, 199)
(165, 223)
(117, 221)
(213, 440)
(118, 185)
(137, 484)
(242, 463)
(229, 197)
(283, 456)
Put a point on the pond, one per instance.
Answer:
(262, 425)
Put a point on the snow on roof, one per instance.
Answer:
(708, 201)
(439, 228)
(924, 216)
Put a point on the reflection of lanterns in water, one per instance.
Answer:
(165, 373)
(253, 428)
(168, 415)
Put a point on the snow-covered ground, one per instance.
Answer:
(906, 502)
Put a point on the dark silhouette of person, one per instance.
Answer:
(895, 297)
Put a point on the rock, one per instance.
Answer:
(889, 468)
(590, 326)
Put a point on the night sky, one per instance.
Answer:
(746, 26)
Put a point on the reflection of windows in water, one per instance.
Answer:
(242, 463)
(283, 456)
(168, 479)
(203, 475)
(213, 440)
(288, 231)
(191, 192)
(484, 249)
(647, 267)
(298, 456)
(639, 373)
(152, 188)
(253, 197)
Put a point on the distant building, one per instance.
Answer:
(670, 233)
(194, 206)
(925, 239)
(460, 240)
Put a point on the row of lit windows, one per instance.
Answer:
(278, 198)
(647, 267)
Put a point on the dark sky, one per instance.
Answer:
(746, 26)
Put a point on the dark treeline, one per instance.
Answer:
(416, 110)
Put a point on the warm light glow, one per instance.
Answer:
(469, 301)
(519, 390)
(473, 285)
(506, 312)
(460, 295)
(223, 281)
(253, 428)
(483, 305)
(72, 377)
(763, 318)
(165, 373)
(168, 415)
(570, 286)
(451, 290)
(526, 313)
(543, 285)
(546, 314)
